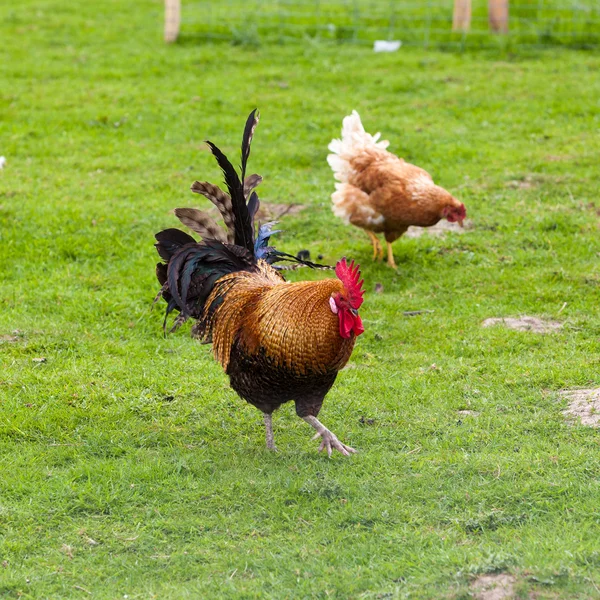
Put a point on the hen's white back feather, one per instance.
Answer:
(355, 140)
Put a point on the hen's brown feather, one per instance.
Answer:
(379, 191)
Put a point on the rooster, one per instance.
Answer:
(382, 193)
(277, 341)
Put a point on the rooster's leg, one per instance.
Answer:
(391, 262)
(329, 441)
(377, 249)
(269, 432)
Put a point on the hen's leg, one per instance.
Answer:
(390, 254)
(377, 249)
(269, 432)
(329, 440)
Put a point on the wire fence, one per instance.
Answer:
(426, 23)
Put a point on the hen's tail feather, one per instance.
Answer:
(353, 142)
(201, 223)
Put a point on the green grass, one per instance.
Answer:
(129, 468)
(425, 23)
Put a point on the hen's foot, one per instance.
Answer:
(330, 442)
(377, 249)
(390, 256)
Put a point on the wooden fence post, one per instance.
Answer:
(172, 19)
(498, 15)
(461, 20)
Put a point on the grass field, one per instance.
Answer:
(129, 469)
(425, 23)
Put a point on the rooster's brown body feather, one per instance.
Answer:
(277, 341)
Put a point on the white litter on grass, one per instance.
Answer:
(469, 413)
(2, 162)
(438, 230)
(386, 46)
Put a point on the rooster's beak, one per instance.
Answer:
(460, 222)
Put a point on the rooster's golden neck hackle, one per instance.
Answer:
(277, 341)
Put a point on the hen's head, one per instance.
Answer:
(345, 304)
(455, 213)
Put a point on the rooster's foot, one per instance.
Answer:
(269, 432)
(330, 442)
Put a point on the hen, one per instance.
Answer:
(277, 341)
(382, 193)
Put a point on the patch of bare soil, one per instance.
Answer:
(9, 338)
(524, 323)
(272, 211)
(469, 413)
(584, 406)
(557, 157)
(521, 184)
(497, 586)
(440, 229)
(533, 180)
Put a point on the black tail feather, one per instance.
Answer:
(273, 256)
(251, 123)
(253, 206)
(193, 268)
(169, 241)
(244, 234)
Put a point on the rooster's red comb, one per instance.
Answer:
(349, 275)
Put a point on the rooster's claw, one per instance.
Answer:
(330, 442)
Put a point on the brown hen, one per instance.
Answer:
(382, 193)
